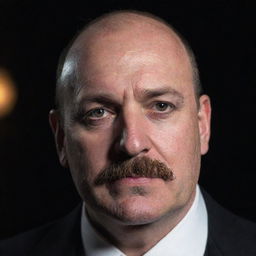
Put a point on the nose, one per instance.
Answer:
(134, 139)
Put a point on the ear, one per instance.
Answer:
(204, 119)
(59, 136)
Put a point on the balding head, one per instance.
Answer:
(128, 27)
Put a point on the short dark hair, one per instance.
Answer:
(59, 98)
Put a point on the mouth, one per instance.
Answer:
(133, 180)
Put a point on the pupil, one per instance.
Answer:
(161, 106)
(99, 112)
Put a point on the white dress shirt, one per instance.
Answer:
(189, 237)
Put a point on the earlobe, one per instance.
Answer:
(59, 136)
(204, 119)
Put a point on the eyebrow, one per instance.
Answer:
(103, 98)
(152, 93)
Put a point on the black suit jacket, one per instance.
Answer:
(228, 235)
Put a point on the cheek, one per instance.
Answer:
(86, 154)
(178, 144)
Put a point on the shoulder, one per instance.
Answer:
(45, 240)
(22, 244)
(230, 234)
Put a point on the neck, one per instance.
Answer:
(136, 240)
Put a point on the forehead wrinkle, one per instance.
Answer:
(135, 55)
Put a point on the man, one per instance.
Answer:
(131, 125)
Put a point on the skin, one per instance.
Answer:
(134, 97)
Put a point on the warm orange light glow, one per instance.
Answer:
(8, 93)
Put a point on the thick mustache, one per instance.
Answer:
(138, 167)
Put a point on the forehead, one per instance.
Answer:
(142, 55)
(98, 44)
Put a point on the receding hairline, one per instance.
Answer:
(116, 20)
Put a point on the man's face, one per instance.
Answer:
(135, 99)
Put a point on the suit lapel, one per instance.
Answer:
(211, 248)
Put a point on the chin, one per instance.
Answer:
(130, 206)
(135, 211)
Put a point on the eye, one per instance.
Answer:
(98, 116)
(163, 106)
(96, 113)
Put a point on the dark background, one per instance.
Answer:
(34, 189)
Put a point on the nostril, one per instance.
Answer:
(145, 150)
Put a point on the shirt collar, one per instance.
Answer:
(189, 235)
